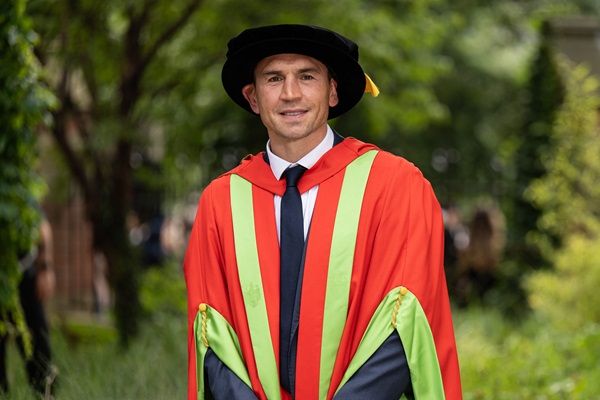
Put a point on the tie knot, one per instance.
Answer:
(293, 174)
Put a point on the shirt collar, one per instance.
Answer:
(278, 164)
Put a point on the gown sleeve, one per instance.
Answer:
(203, 259)
(424, 275)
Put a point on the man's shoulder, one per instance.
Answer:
(395, 165)
(221, 182)
(387, 163)
(391, 160)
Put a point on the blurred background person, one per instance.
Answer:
(478, 262)
(36, 287)
(456, 239)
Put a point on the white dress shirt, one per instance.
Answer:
(278, 165)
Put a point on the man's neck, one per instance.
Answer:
(294, 150)
(279, 165)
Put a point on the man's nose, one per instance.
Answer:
(291, 89)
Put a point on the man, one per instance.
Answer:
(314, 269)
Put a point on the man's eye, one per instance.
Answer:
(274, 79)
(307, 77)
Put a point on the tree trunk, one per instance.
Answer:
(123, 272)
(110, 237)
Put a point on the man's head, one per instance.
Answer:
(293, 94)
(338, 54)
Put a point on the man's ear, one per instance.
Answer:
(249, 92)
(333, 96)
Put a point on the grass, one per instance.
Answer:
(154, 367)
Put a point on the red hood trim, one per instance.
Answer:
(254, 168)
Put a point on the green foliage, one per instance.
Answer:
(550, 356)
(162, 291)
(567, 296)
(545, 96)
(569, 199)
(22, 103)
(569, 194)
(469, 153)
(502, 360)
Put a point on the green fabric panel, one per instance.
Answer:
(223, 340)
(417, 339)
(251, 282)
(200, 354)
(341, 259)
(413, 327)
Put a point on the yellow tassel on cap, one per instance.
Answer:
(371, 87)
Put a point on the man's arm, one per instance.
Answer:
(424, 276)
(223, 383)
(200, 253)
(385, 376)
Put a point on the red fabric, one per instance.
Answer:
(313, 290)
(400, 242)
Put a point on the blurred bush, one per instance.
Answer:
(502, 360)
(567, 296)
(568, 195)
(162, 291)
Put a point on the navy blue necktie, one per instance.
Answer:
(291, 249)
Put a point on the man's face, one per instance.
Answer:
(292, 94)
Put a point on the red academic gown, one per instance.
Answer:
(399, 243)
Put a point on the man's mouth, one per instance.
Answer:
(292, 113)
